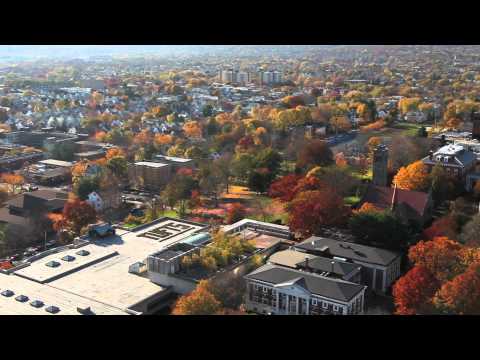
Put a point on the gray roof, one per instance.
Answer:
(349, 250)
(319, 285)
(325, 264)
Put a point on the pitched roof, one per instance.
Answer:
(349, 250)
(381, 196)
(319, 285)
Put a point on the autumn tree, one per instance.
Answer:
(200, 301)
(413, 292)
(441, 256)
(13, 180)
(461, 295)
(413, 177)
(192, 129)
(284, 187)
(312, 210)
(77, 214)
(314, 153)
(235, 212)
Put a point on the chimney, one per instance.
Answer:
(430, 155)
(333, 265)
(306, 263)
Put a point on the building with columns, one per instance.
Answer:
(277, 290)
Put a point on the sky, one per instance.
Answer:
(27, 52)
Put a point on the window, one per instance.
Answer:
(335, 307)
(82, 253)
(314, 301)
(68, 258)
(325, 305)
(264, 289)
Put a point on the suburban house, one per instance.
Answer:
(273, 289)
(455, 159)
(407, 205)
(380, 267)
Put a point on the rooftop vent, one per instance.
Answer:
(37, 303)
(68, 258)
(85, 311)
(53, 264)
(52, 309)
(7, 293)
(21, 298)
(83, 252)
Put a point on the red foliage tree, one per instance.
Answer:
(444, 226)
(283, 188)
(235, 212)
(413, 292)
(311, 210)
(78, 213)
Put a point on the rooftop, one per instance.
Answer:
(319, 285)
(348, 250)
(108, 280)
(66, 301)
(56, 163)
(150, 164)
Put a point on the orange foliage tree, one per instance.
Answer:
(200, 301)
(413, 177)
(235, 212)
(13, 180)
(114, 152)
(163, 139)
(461, 295)
(192, 129)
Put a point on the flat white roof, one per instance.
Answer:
(108, 280)
(40, 272)
(66, 301)
(450, 149)
(172, 158)
(238, 224)
(56, 163)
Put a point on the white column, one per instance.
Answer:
(296, 310)
(287, 304)
(278, 302)
(308, 307)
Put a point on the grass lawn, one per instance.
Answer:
(130, 225)
(272, 210)
(409, 129)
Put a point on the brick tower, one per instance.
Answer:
(380, 161)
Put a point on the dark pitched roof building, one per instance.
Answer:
(410, 205)
(335, 289)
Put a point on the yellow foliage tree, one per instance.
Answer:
(413, 177)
